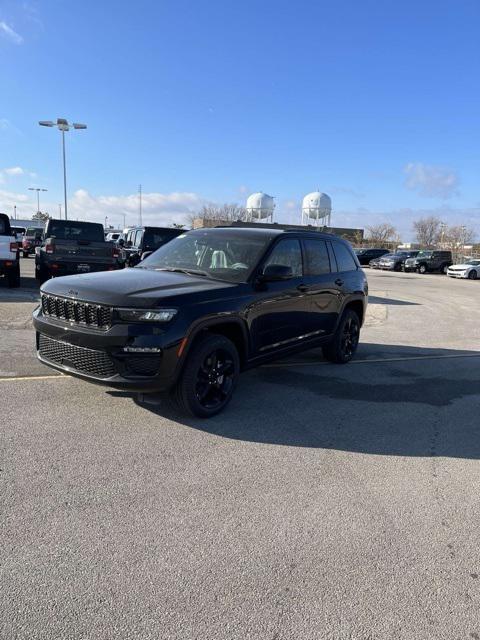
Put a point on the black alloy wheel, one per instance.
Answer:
(209, 377)
(345, 342)
(472, 275)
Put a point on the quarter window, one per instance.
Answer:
(345, 260)
(316, 257)
(288, 254)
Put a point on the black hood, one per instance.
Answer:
(133, 287)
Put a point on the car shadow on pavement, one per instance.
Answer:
(390, 301)
(402, 405)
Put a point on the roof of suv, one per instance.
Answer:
(268, 231)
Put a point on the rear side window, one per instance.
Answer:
(4, 226)
(287, 253)
(345, 260)
(316, 257)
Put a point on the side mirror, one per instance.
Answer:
(276, 272)
(121, 242)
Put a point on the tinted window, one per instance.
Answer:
(344, 258)
(289, 254)
(138, 238)
(4, 230)
(154, 238)
(76, 231)
(316, 257)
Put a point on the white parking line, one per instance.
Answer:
(17, 378)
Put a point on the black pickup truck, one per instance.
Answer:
(72, 247)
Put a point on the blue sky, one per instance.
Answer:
(376, 103)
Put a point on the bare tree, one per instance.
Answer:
(379, 234)
(221, 213)
(42, 217)
(456, 237)
(428, 231)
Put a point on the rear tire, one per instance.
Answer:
(209, 377)
(13, 278)
(25, 254)
(41, 276)
(345, 342)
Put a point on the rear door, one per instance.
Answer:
(324, 296)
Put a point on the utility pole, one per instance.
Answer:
(139, 205)
(63, 125)
(60, 210)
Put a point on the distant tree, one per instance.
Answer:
(177, 225)
(42, 217)
(428, 231)
(223, 213)
(456, 237)
(378, 234)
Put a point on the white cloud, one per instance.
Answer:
(157, 208)
(431, 181)
(14, 171)
(10, 34)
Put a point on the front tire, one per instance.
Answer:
(473, 275)
(345, 342)
(25, 254)
(422, 268)
(209, 377)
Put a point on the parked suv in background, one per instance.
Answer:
(366, 255)
(395, 261)
(9, 261)
(33, 238)
(203, 307)
(144, 240)
(429, 261)
(74, 247)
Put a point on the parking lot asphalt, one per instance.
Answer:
(336, 502)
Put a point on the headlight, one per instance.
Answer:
(147, 315)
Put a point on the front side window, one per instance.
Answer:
(345, 259)
(316, 257)
(289, 254)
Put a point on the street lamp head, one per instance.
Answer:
(77, 125)
(46, 123)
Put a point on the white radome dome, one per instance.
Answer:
(260, 205)
(317, 205)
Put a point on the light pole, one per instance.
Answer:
(63, 126)
(105, 225)
(37, 189)
(60, 210)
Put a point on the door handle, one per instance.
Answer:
(339, 282)
(302, 288)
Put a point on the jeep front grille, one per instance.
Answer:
(88, 361)
(85, 313)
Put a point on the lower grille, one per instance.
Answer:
(142, 365)
(89, 361)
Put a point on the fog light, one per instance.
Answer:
(142, 349)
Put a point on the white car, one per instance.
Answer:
(470, 270)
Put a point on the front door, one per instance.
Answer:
(279, 315)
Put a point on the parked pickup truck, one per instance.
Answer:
(72, 247)
(9, 259)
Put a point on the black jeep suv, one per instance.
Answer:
(429, 261)
(203, 307)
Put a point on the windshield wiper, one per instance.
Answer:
(193, 272)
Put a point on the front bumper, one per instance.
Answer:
(457, 274)
(98, 355)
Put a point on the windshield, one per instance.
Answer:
(32, 231)
(221, 254)
(474, 262)
(90, 232)
(424, 254)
